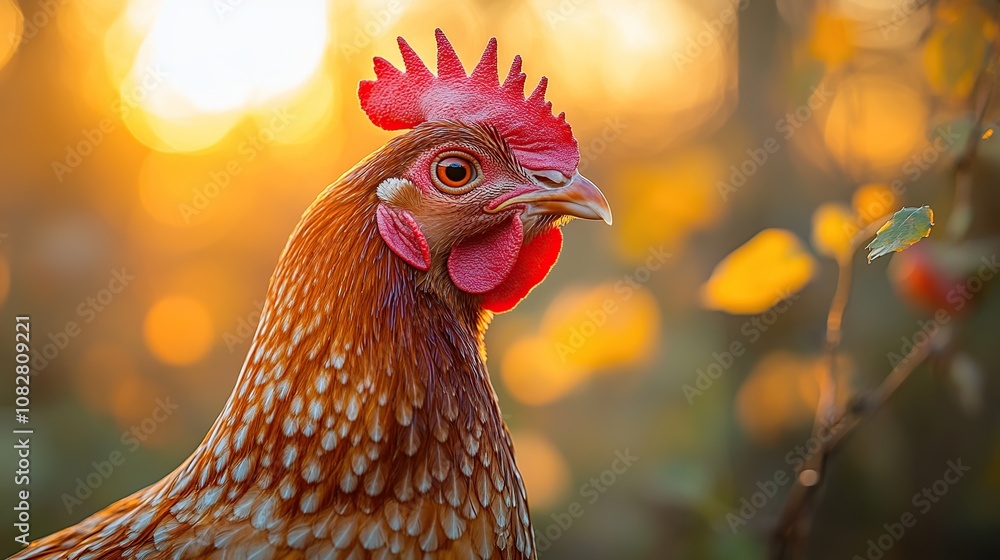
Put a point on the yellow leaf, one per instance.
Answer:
(873, 202)
(833, 231)
(755, 276)
(832, 38)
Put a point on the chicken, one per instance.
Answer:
(363, 423)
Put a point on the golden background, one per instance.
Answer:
(175, 144)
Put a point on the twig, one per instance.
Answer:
(826, 406)
(982, 93)
(788, 540)
(866, 408)
(796, 520)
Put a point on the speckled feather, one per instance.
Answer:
(363, 423)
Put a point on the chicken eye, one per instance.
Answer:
(455, 174)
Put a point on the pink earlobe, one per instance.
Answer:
(402, 234)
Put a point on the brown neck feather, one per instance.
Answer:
(363, 421)
(360, 387)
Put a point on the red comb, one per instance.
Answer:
(397, 100)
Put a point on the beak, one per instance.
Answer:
(579, 198)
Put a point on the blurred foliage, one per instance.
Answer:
(179, 141)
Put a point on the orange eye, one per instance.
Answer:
(455, 174)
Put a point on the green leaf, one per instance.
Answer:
(903, 229)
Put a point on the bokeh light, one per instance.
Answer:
(668, 61)
(201, 68)
(873, 202)
(543, 468)
(583, 332)
(876, 121)
(664, 204)
(257, 52)
(781, 393)
(883, 24)
(11, 28)
(833, 230)
(178, 330)
(831, 39)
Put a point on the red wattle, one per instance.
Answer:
(534, 262)
(482, 262)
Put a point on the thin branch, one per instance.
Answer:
(793, 528)
(982, 94)
(789, 537)
(864, 409)
(826, 408)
